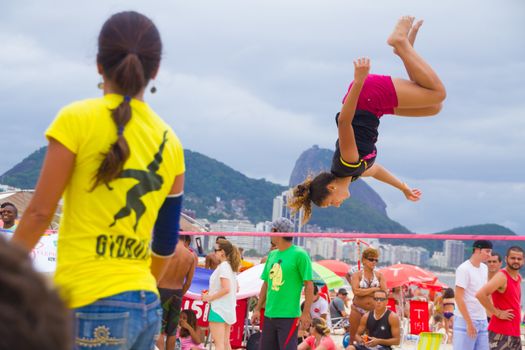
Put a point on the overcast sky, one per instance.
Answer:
(255, 83)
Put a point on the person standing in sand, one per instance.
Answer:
(172, 287)
(505, 304)
(120, 170)
(364, 284)
(470, 317)
(222, 294)
(286, 271)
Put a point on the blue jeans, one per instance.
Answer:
(125, 321)
(461, 339)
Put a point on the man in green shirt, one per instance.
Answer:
(287, 269)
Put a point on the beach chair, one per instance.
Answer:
(404, 328)
(430, 341)
(337, 323)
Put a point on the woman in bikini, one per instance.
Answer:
(369, 97)
(449, 305)
(364, 284)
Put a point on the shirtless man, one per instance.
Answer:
(186, 239)
(172, 286)
(211, 261)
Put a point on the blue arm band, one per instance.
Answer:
(166, 231)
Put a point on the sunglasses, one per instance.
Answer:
(372, 259)
(380, 299)
(217, 250)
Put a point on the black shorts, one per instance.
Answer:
(279, 334)
(171, 301)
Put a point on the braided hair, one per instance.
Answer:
(129, 51)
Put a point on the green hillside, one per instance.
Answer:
(216, 191)
(25, 174)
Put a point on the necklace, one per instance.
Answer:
(380, 317)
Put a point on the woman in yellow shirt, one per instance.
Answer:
(120, 170)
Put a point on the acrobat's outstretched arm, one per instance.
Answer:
(347, 143)
(378, 172)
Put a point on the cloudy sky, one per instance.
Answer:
(255, 83)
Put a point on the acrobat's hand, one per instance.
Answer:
(412, 194)
(361, 69)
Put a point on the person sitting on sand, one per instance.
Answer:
(378, 329)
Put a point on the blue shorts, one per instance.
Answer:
(462, 341)
(125, 321)
(215, 317)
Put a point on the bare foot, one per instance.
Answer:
(413, 32)
(399, 36)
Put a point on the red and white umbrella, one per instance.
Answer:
(436, 286)
(338, 267)
(404, 274)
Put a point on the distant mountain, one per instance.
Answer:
(215, 191)
(486, 229)
(25, 174)
(212, 189)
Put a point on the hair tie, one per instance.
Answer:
(120, 130)
(127, 98)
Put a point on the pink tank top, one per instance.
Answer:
(510, 299)
(186, 343)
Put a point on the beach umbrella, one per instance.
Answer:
(404, 274)
(200, 282)
(338, 267)
(436, 286)
(250, 280)
(322, 275)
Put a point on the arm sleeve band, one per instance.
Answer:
(166, 231)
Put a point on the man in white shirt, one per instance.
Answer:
(470, 323)
(320, 308)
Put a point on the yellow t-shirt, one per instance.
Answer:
(104, 236)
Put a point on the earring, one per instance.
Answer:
(101, 85)
(153, 89)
